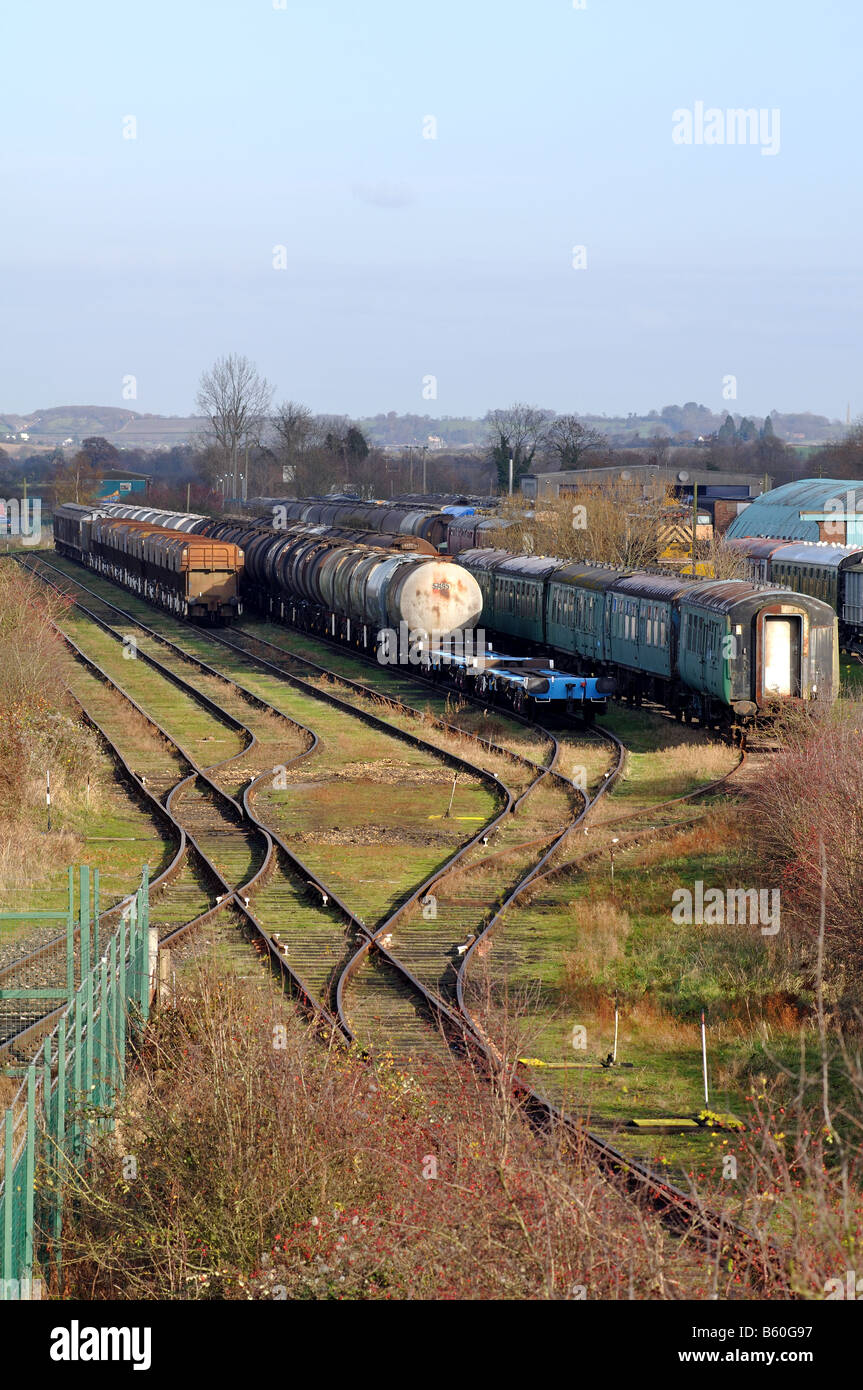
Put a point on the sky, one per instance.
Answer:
(432, 207)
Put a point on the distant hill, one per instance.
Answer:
(680, 424)
(123, 428)
(131, 429)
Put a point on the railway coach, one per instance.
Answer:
(191, 576)
(709, 650)
(833, 573)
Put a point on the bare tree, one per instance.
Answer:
(515, 433)
(616, 522)
(235, 401)
(294, 436)
(571, 442)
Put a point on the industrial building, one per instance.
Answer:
(811, 509)
(722, 495)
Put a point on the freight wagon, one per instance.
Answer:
(189, 575)
(355, 592)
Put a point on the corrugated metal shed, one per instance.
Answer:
(778, 513)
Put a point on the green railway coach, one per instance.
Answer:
(706, 649)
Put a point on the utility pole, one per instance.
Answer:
(694, 523)
(188, 493)
(425, 452)
(510, 477)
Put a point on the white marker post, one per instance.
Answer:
(704, 1056)
(451, 797)
(48, 795)
(616, 1017)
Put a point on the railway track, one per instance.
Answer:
(112, 619)
(226, 853)
(397, 1011)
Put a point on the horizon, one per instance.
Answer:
(730, 409)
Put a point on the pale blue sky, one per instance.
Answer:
(408, 257)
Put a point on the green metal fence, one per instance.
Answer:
(68, 1094)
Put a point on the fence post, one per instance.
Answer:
(26, 1272)
(134, 950)
(89, 1045)
(121, 1004)
(50, 1194)
(145, 943)
(95, 915)
(106, 1061)
(126, 965)
(61, 1148)
(8, 1192)
(70, 940)
(84, 909)
(152, 962)
(76, 1072)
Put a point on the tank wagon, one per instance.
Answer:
(190, 575)
(430, 525)
(711, 650)
(349, 590)
(228, 526)
(833, 573)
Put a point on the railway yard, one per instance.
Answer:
(428, 877)
(431, 683)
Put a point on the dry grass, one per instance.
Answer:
(714, 833)
(296, 1172)
(703, 759)
(603, 929)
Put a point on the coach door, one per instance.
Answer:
(781, 657)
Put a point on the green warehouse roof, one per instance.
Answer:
(783, 511)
